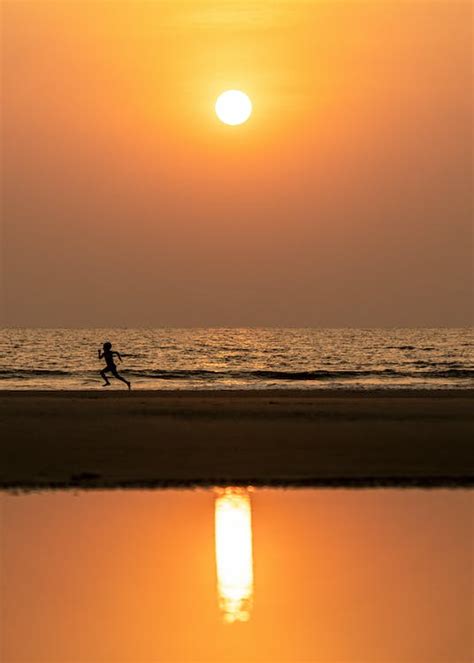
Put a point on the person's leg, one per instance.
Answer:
(119, 377)
(104, 377)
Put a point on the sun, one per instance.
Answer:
(233, 107)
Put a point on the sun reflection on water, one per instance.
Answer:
(234, 560)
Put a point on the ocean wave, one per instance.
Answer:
(297, 375)
(450, 373)
(258, 375)
(28, 372)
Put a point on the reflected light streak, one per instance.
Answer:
(234, 562)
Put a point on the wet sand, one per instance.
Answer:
(320, 438)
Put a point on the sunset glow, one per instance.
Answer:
(191, 139)
(233, 521)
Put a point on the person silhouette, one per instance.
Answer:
(108, 355)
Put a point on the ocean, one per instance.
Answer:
(260, 358)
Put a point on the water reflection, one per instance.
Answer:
(345, 575)
(234, 559)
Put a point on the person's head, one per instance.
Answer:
(107, 346)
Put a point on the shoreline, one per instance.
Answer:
(186, 438)
(254, 393)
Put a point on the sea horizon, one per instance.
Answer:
(240, 358)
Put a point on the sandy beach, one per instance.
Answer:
(114, 439)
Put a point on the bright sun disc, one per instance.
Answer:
(233, 107)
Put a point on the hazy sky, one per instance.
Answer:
(344, 200)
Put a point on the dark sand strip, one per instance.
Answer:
(114, 439)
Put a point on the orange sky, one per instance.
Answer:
(344, 200)
(129, 577)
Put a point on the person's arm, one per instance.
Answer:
(118, 355)
(100, 354)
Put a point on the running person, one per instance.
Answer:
(108, 355)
